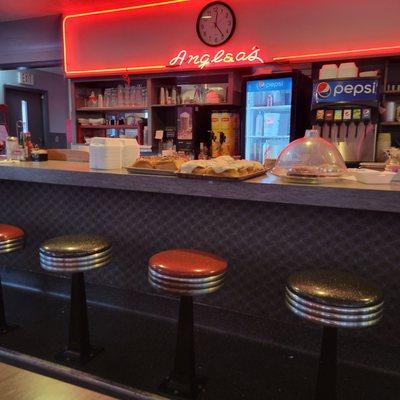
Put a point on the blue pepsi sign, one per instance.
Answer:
(346, 91)
(270, 84)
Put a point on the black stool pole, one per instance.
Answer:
(3, 323)
(327, 370)
(183, 381)
(75, 254)
(78, 340)
(184, 366)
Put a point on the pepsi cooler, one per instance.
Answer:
(276, 112)
(346, 112)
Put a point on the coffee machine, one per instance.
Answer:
(346, 112)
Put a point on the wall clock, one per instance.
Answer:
(216, 23)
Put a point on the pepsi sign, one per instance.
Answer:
(346, 91)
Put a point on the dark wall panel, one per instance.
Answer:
(30, 42)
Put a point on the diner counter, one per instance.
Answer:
(341, 194)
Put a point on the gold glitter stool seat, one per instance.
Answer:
(12, 239)
(333, 299)
(185, 273)
(74, 254)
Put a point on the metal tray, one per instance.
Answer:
(221, 178)
(150, 171)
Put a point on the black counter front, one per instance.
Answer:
(264, 241)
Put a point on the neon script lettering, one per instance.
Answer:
(220, 57)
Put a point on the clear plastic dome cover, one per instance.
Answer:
(310, 157)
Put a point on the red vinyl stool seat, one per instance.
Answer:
(12, 239)
(185, 273)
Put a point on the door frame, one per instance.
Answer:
(45, 105)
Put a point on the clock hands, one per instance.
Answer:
(215, 23)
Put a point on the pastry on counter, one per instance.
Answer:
(225, 166)
(161, 163)
(168, 163)
(144, 162)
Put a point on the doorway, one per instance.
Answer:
(29, 109)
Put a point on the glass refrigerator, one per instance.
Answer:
(276, 112)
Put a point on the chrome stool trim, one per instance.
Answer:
(333, 316)
(12, 241)
(324, 307)
(11, 247)
(180, 278)
(189, 280)
(188, 292)
(59, 262)
(174, 287)
(93, 256)
(333, 323)
(77, 268)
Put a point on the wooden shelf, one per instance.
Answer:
(197, 105)
(276, 107)
(107, 126)
(105, 109)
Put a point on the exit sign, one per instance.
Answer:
(26, 78)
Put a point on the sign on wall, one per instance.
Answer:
(26, 78)
(346, 91)
(162, 36)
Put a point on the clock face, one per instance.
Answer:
(216, 24)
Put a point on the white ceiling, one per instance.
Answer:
(21, 9)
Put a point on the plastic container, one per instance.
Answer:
(328, 71)
(369, 74)
(130, 151)
(105, 153)
(348, 70)
(389, 114)
(310, 160)
(373, 177)
(383, 144)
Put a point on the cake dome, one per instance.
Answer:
(310, 159)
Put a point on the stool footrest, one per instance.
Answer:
(182, 389)
(72, 357)
(4, 329)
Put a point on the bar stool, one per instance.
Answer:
(12, 239)
(75, 254)
(185, 273)
(333, 299)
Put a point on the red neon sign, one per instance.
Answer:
(162, 37)
(220, 57)
(110, 70)
(344, 53)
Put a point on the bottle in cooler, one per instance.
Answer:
(259, 124)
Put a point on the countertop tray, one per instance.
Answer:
(221, 178)
(150, 171)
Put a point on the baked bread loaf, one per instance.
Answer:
(163, 163)
(144, 162)
(225, 166)
(168, 163)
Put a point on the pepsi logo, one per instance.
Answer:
(323, 90)
(260, 84)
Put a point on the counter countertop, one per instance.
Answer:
(341, 194)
